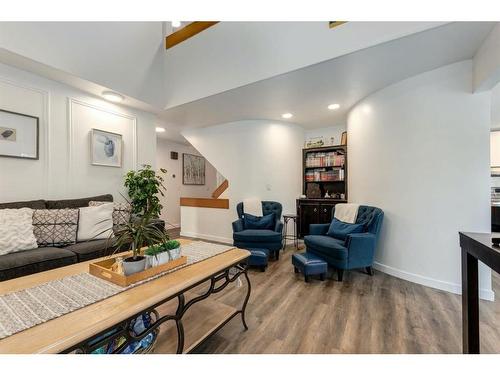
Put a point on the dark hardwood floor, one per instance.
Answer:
(362, 314)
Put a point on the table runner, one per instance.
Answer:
(29, 307)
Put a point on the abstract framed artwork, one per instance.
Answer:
(19, 135)
(106, 148)
(193, 169)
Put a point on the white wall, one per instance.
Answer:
(239, 53)
(487, 62)
(171, 212)
(66, 117)
(419, 149)
(261, 159)
(128, 57)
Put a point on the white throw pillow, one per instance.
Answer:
(96, 223)
(16, 230)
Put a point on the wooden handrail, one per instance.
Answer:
(220, 189)
(205, 202)
(187, 32)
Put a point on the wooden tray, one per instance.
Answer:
(102, 269)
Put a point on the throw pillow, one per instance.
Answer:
(55, 227)
(258, 222)
(121, 212)
(338, 229)
(16, 230)
(96, 223)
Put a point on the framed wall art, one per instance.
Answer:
(19, 135)
(106, 148)
(193, 169)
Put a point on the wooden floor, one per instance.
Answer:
(363, 314)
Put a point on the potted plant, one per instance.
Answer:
(143, 188)
(133, 236)
(162, 253)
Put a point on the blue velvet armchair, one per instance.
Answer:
(357, 251)
(259, 238)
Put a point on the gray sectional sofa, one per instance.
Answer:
(27, 262)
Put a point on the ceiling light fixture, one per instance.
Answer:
(113, 96)
(333, 107)
(287, 115)
(176, 24)
(160, 130)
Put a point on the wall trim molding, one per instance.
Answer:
(486, 294)
(71, 102)
(208, 237)
(46, 119)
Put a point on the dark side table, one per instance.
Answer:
(475, 246)
(286, 219)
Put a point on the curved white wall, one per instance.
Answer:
(419, 149)
(260, 158)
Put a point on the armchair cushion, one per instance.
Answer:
(326, 246)
(258, 222)
(318, 229)
(338, 229)
(257, 235)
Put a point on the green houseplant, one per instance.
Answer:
(162, 253)
(134, 235)
(144, 187)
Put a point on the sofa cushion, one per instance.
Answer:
(55, 227)
(121, 212)
(32, 261)
(91, 249)
(34, 205)
(338, 229)
(258, 222)
(96, 223)
(257, 235)
(77, 203)
(325, 245)
(16, 230)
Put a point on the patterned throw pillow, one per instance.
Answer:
(55, 227)
(121, 212)
(16, 230)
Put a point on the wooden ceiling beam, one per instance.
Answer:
(187, 32)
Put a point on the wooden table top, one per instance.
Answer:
(68, 330)
(480, 245)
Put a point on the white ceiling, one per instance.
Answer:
(345, 80)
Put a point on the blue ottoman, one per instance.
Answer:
(309, 264)
(258, 258)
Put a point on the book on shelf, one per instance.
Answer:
(325, 159)
(323, 175)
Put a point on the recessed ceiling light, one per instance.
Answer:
(160, 130)
(112, 96)
(176, 24)
(334, 106)
(287, 115)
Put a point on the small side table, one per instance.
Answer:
(286, 236)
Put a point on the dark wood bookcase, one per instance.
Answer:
(324, 171)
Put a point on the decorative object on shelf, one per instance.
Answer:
(19, 135)
(143, 187)
(327, 195)
(332, 141)
(313, 191)
(106, 148)
(174, 155)
(343, 141)
(162, 253)
(134, 235)
(193, 169)
(315, 142)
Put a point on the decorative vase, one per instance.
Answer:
(175, 253)
(131, 265)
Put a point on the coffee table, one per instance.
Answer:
(192, 317)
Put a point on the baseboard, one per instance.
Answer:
(207, 237)
(486, 294)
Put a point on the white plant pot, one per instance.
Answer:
(131, 267)
(158, 259)
(175, 253)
